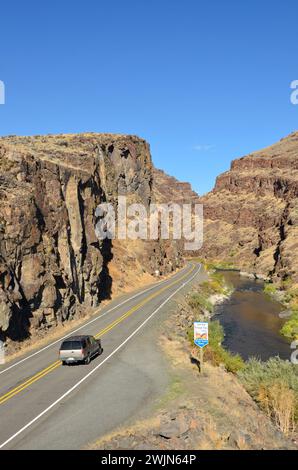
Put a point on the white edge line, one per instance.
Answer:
(84, 325)
(98, 366)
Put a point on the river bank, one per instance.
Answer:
(210, 409)
(251, 320)
(284, 291)
(287, 294)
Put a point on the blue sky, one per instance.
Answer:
(203, 82)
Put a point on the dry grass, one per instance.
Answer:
(279, 403)
(274, 386)
(212, 439)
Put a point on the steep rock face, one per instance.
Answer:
(251, 215)
(169, 189)
(51, 262)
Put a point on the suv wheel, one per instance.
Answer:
(88, 359)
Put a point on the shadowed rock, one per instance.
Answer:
(51, 262)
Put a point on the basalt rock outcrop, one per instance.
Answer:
(251, 216)
(51, 262)
(168, 189)
(53, 266)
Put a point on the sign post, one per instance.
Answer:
(201, 338)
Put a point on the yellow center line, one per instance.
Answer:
(136, 307)
(104, 331)
(26, 384)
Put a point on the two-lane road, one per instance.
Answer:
(44, 405)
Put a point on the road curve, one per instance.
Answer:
(46, 406)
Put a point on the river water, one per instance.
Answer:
(250, 320)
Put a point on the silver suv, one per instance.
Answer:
(79, 349)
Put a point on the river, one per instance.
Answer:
(250, 320)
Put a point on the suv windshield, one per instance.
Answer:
(71, 345)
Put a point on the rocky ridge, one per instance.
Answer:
(251, 215)
(168, 189)
(52, 265)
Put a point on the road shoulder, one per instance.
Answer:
(208, 410)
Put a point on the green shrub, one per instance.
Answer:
(199, 302)
(257, 372)
(291, 297)
(217, 354)
(232, 362)
(290, 328)
(270, 288)
(287, 283)
(216, 334)
(217, 286)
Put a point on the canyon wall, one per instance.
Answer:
(52, 266)
(251, 215)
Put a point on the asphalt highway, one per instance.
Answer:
(44, 405)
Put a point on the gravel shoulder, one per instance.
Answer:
(189, 409)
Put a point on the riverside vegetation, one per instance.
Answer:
(287, 293)
(202, 303)
(226, 404)
(273, 384)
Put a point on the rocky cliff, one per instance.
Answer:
(53, 267)
(251, 216)
(168, 189)
(51, 263)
